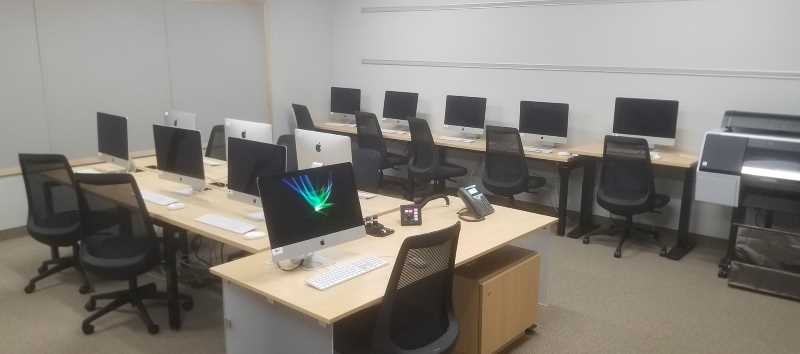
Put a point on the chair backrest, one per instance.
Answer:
(116, 197)
(417, 308)
(369, 134)
(505, 157)
(424, 152)
(303, 117)
(50, 188)
(216, 148)
(366, 164)
(291, 151)
(627, 172)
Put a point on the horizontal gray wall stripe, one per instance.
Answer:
(732, 73)
(504, 4)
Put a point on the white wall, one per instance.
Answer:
(685, 43)
(301, 47)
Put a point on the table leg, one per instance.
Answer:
(563, 192)
(170, 259)
(586, 224)
(684, 244)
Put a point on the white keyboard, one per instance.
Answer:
(394, 131)
(212, 162)
(343, 272)
(457, 139)
(156, 198)
(538, 150)
(88, 170)
(225, 223)
(343, 125)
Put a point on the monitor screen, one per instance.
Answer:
(400, 105)
(645, 117)
(247, 160)
(306, 204)
(178, 151)
(345, 100)
(112, 135)
(542, 118)
(469, 112)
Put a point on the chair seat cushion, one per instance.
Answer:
(119, 257)
(449, 170)
(392, 160)
(58, 229)
(624, 206)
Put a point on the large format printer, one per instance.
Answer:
(753, 164)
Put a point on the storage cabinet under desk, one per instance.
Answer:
(495, 299)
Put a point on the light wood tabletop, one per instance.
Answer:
(478, 145)
(669, 157)
(258, 274)
(84, 161)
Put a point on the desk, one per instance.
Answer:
(268, 310)
(670, 159)
(564, 164)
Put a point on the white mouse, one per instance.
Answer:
(563, 153)
(255, 235)
(176, 206)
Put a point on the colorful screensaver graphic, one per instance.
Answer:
(316, 198)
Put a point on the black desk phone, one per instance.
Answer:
(477, 207)
(411, 215)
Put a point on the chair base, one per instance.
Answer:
(134, 295)
(626, 231)
(57, 264)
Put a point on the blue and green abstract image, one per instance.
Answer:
(316, 198)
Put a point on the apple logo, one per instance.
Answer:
(318, 147)
(244, 134)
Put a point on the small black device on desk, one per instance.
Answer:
(476, 206)
(375, 228)
(411, 215)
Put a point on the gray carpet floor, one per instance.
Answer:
(641, 303)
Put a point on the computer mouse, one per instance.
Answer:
(563, 153)
(176, 206)
(255, 235)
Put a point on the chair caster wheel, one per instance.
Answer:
(153, 329)
(87, 329)
(723, 273)
(30, 288)
(91, 305)
(585, 241)
(618, 254)
(187, 305)
(42, 269)
(663, 252)
(85, 289)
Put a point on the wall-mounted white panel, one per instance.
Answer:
(217, 60)
(21, 98)
(102, 55)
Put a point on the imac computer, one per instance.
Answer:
(544, 123)
(247, 160)
(180, 119)
(345, 102)
(654, 120)
(398, 106)
(315, 149)
(112, 140)
(466, 114)
(309, 210)
(248, 130)
(179, 156)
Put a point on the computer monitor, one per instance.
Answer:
(654, 120)
(180, 119)
(244, 129)
(400, 105)
(346, 101)
(309, 210)
(179, 156)
(544, 122)
(316, 149)
(112, 140)
(467, 114)
(247, 160)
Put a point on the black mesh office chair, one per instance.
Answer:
(216, 148)
(370, 136)
(53, 213)
(123, 251)
(505, 171)
(366, 164)
(303, 117)
(291, 151)
(416, 315)
(627, 185)
(427, 161)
